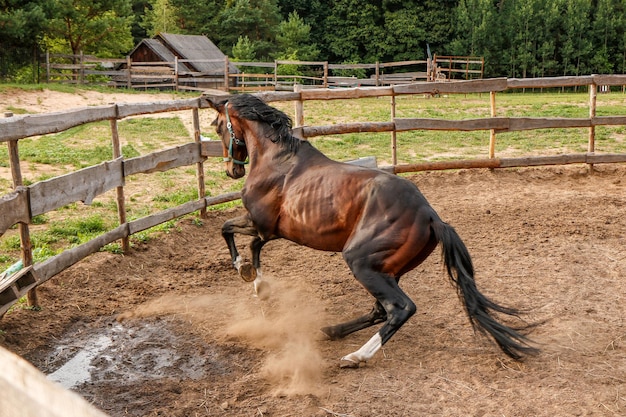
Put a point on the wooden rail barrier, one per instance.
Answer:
(83, 185)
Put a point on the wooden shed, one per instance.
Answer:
(200, 64)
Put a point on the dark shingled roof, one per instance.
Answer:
(193, 47)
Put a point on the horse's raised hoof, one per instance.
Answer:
(247, 272)
(263, 290)
(331, 333)
(348, 364)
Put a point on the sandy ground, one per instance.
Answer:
(170, 330)
(195, 341)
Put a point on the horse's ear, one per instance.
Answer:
(214, 102)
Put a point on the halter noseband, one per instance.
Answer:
(233, 139)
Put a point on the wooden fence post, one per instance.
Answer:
(129, 81)
(377, 73)
(394, 150)
(591, 146)
(226, 75)
(299, 116)
(48, 67)
(176, 73)
(25, 243)
(81, 70)
(492, 134)
(121, 204)
(325, 74)
(199, 165)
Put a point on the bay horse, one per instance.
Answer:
(381, 223)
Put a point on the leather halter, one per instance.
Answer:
(233, 139)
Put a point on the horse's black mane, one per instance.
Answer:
(253, 108)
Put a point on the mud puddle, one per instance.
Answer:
(128, 353)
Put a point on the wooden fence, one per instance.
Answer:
(252, 76)
(20, 206)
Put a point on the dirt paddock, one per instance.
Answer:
(170, 330)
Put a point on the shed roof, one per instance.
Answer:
(195, 47)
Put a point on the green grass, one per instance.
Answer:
(88, 145)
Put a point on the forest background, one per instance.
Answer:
(517, 38)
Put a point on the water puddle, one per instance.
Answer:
(128, 353)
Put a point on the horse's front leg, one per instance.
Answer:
(249, 272)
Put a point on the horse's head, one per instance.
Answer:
(228, 127)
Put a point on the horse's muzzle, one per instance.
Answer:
(236, 171)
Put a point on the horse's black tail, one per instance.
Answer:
(477, 306)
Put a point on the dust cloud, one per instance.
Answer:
(286, 325)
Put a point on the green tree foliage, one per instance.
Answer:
(102, 27)
(256, 19)
(160, 16)
(294, 39)
(517, 38)
(22, 26)
(533, 38)
(243, 50)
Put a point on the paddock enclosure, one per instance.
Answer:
(194, 341)
(168, 328)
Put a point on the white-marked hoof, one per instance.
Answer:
(348, 364)
(247, 272)
(263, 290)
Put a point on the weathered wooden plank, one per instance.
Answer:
(311, 131)
(26, 392)
(443, 124)
(14, 209)
(442, 165)
(543, 160)
(532, 123)
(52, 266)
(549, 82)
(21, 281)
(580, 158)
(19, 127)
(270, 96)
(345, 93)
(609, 158)
(166, 215)
(83, 185)
(212, 148)
(608, 121)
(183, 155)
(455, 87)
(133, 109)
(613, 79)
(16, 286)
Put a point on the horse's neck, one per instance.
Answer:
(270, 163)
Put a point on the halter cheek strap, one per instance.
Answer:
(233, 139)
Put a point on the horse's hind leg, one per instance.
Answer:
(377, 315)
(387, 292)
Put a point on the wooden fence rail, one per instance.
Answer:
(20, 206)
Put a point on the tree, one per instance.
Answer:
(22, 26)
(294, 39)
(576, 46)
(162, 16)
(197, 17)
(102, 28)
(243, 50)
(354, 31)
(256, 19)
